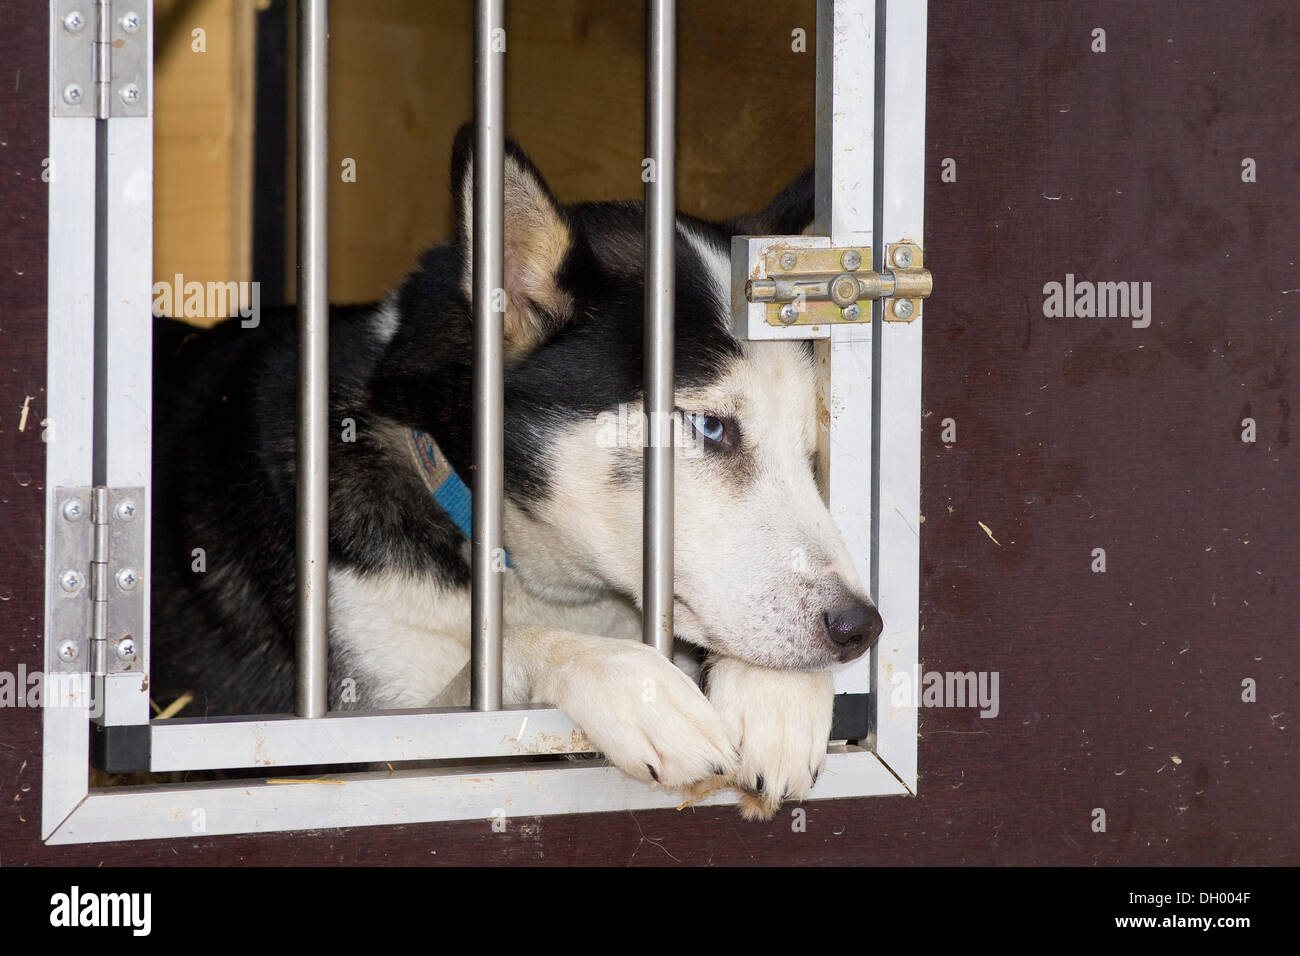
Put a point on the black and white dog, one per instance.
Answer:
(764, 585)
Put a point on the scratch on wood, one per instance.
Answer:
(646, 839)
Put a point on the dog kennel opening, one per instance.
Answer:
(870, 130)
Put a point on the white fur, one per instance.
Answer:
(783, 720)
(386, 321)
(408, 640)
(717, 262)
(757, 566)
(640, 711)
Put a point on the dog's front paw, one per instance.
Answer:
(646, 716)
(783, 721)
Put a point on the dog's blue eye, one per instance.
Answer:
(709, 426)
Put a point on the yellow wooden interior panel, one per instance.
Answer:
(203, 122)
(401, 84)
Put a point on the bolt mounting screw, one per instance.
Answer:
(903, 257)
(903, 308)
(788, 261)
(852, 312)
(851, 259)
(789, 314)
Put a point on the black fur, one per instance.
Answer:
(789, 214)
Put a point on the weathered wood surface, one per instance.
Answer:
(1119, 690)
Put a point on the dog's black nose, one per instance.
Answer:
(853, 629)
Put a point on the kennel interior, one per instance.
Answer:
(194, 174)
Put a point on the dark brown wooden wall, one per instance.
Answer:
(1119, 690)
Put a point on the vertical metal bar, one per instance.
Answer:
(845, 211)
(489, 314)
(660, 292)
(313, 357)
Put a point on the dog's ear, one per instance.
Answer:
(789, 214)
(538, 237)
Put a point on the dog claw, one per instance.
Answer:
(758, 784)
(653, 773)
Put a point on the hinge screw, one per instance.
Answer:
(789, 314)
(74, 21)
(903, 257)
(130, 94)
(126, 648)
(127, 579)
(852, 312)
(72, 94)
(72, 509)
(851, 259)
(126, 509)
(67, 652)
(788, 261)
(70, 581)
(903, 308)
(131, 22)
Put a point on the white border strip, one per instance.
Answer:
(69, 411)
(130, 360)
(404, 797)
(846, 149)
(900, 389)
(362, 738)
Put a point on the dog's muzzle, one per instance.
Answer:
(852, 629)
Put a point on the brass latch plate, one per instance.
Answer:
(799, 286)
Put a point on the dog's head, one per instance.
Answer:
(761, 571)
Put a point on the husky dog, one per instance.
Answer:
(764, 587)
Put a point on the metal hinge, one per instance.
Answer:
(96, 594)
(792, 282)
(101, 58)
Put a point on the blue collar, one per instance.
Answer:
(449, 491)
